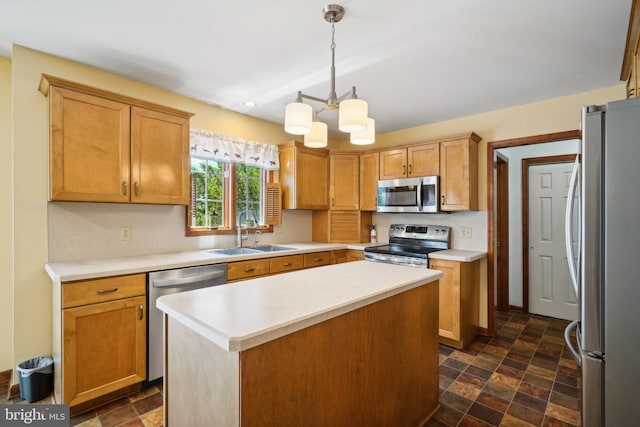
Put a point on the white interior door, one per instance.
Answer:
(550, 291)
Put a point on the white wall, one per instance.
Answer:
(82, 231)
(515, 156)
(476, 220)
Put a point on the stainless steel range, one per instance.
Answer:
(410, 244)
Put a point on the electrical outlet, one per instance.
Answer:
(465, 232)
(125, 233)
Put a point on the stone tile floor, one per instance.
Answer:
(523, 376)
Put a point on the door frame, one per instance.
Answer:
(502, 231)
(491, 185)
(532, 161)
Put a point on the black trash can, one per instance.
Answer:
(36, 378)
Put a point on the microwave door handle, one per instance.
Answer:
(568, 225)
(419, 196)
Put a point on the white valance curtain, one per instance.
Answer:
(225, 148)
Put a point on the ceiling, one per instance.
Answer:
(414, 61)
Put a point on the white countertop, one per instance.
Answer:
(458, 255)
(242, 315)
(67, 271)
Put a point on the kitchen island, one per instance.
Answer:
(346, 344)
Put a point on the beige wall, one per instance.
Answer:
(6, 263)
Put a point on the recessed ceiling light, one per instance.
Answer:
(250, 104)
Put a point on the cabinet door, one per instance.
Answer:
(449, 306)
(458, 175)
(393, 164)
(424, 160)
(312, 179)
(159, 157)
(354, 255)
(369, 172)
(89, 148)
(344, 178)
(104, 348)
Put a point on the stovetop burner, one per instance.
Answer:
(410, 244)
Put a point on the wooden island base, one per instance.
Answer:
(374, 366)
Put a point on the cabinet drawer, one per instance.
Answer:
(247, 269)
(92, 291)
(285, 263)
(317, 259)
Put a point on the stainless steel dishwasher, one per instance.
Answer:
(170, 282)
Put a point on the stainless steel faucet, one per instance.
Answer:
(239, 236)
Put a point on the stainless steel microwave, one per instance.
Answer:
(417, 195)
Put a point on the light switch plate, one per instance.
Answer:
(465, 232)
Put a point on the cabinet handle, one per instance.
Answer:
(442, 200)
(409, 169)
(124, 188)
(107, 291)
(287, 264)
(404, 169)
(141, 310)
(136, 189)
(318, 260)
(333, 201)
(249, 270)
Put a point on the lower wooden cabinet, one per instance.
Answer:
(242, 270)
(354, 255)
(317, 259)
(100, 340)
(459, 301)
(283, 264)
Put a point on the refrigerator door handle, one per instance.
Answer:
(577, 354)
(568, 226)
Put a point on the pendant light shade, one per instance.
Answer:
(298, 117)
(318, 136)
(353, 114)
(368, 136)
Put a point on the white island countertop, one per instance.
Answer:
(246, 314)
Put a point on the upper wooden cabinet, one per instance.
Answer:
(630, 61)
(106, 147)
(414, 161)
(344, 181)
(459, 174)
(369, 172)
(304, 176)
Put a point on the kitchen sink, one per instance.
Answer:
(272, 248)
(234, 251)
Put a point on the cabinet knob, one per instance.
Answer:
(124, 188)
(404, 169)
(136, 188)
(409, 169)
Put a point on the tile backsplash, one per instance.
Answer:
(83, 231)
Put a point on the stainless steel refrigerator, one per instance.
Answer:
(604, 262)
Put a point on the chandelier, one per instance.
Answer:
(301, 119)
